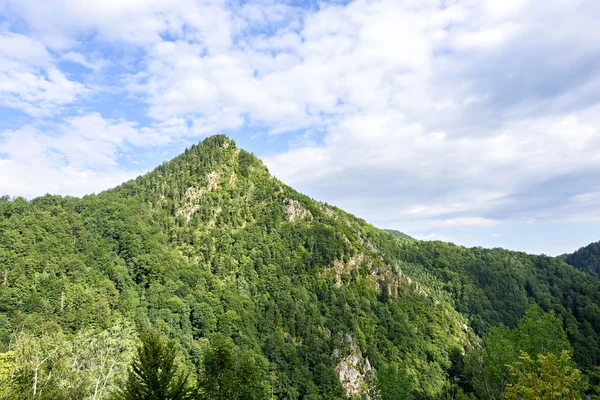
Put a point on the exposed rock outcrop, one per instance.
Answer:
(212, 180)
(340, 268)
(353, 371)
(193, 195)
(295, 210)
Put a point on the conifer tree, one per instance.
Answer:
(154, 374)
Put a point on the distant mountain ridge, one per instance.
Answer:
(586, 259)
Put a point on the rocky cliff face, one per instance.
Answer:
(353, 370)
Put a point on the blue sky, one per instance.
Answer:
(474, 121)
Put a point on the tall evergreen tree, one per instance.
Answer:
(154, 374)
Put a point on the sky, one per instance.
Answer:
(474, 121)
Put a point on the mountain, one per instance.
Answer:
(397, 233)
(586, 259)
(210, 245)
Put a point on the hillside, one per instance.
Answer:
(586, 259)
(397, 233)
(210, 245)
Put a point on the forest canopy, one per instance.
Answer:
(257, 291)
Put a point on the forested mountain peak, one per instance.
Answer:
(227, 261)
(217, 165)
(209, 244)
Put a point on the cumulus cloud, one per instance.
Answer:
(426, 116)
(407, 177)
(78, 156)
(29, 80)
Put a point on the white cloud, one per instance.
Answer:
(412, 179)
(78, 156)
(140, 22)
(18, 47)
(29, 80)
(418, 116)
(93, 63)
(35, 167)
(487, 39)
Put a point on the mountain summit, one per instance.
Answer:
(210, 245)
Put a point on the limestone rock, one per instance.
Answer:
(295, 210)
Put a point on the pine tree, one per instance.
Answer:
(154, 374)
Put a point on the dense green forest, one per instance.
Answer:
(398, 233)
(210, 279)
(586, 259)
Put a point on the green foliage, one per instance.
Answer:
(230, 374)
(6, 367)
(398, 233)
(88, 365)
(154, 374)
(210, 245)
(586, 259)
(487, 366)
(495, 286)
(593, 376)
(392, 383)
(537, 333)
(547, 376)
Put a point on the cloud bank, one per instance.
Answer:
(434, 117)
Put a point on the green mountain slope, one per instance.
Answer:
(495, 286)
(397, 233)
(586, 259)
(209, 245)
